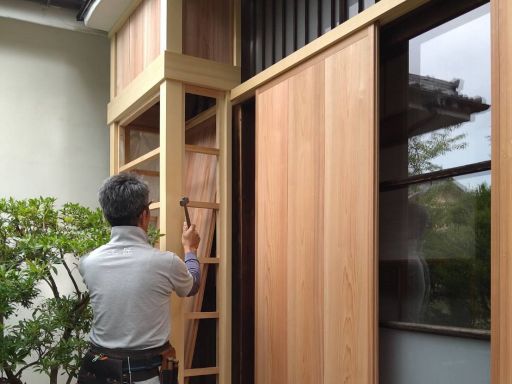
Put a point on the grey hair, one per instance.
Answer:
(123, 198)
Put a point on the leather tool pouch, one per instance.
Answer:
(100, 369)
(170, 367)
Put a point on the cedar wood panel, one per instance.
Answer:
(316, 220)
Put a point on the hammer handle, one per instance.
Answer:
(187, 217)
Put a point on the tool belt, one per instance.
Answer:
(121, 366)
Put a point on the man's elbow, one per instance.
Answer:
(194, 289)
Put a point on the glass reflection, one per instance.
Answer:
(435, 253)
(436, 100)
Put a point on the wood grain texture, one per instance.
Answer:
(271, 365)
(316, 220)
(137, 43)
(200, 185)
(305, 225)
(501, 241)
(350, 211)
(208, 29)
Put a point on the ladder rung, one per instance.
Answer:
(209, 260)
(146, 172)
(201, 371)
(201, 118)
(203, 204)
(146, 157)
(201, 315)
(203, 150)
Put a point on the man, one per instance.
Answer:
(129, 283)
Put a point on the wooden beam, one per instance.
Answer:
(224, 241)
(201, 72)
(174, 26)
(113, 69)
(114, 148)
(203, 150)
(136, 94)
(201, 315)
(203, 204)
(146, 157)
(201, 371)
(501, 190)
(200, 118)
(172, 186)
(209, 260)
(195, 90)
(382, 12)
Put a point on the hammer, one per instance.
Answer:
(183, 203)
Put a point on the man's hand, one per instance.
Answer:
(190, 238)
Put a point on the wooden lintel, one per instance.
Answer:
(203, 150)
(146, 157)
(200, 118)
(201, 72)
(195, 90)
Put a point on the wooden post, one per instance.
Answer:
(224, 238)
(114, 148)
(501, 189)
(172, 155)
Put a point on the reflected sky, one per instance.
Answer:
(456, 50)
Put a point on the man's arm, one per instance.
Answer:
(190, 240)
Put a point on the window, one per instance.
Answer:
(435, 195)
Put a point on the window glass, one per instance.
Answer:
(441, 115)
(435, 252)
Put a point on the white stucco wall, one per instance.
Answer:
(54, 89)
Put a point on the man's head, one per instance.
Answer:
(124, 199)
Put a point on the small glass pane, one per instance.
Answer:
(435, 253)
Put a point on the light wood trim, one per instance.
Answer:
(174, 26)
(203, 204)
(145, 104)
(146, 172)
(237, 33)
(224, 236)
(172, 186)
(201, 371)
(114, 148)
(201, 315)
(201, 72)
(203, 150)
(195, 90)
(155, 205)
(200, 118)
(138, 93)
(383, 12)
(172, 66)
(113, 66)
(124, 17)
(501, 190)
(146, 157)
(208, 260)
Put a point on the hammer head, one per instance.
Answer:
(184, 201)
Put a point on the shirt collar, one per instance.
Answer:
(128, 234)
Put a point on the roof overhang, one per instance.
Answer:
(102, 14)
